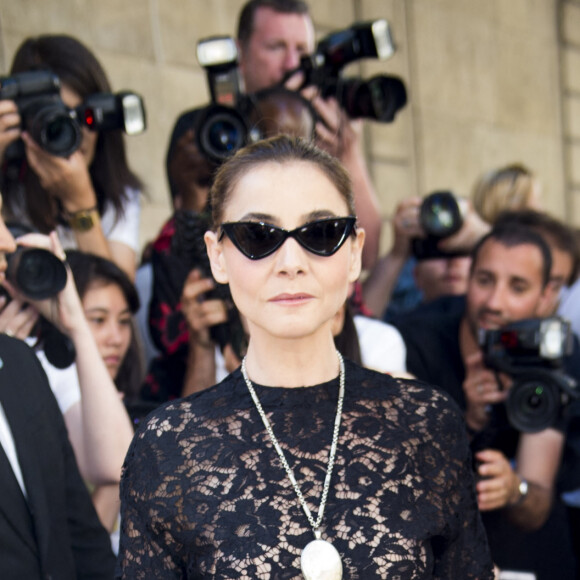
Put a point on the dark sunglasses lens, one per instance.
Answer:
(255, 240)
(325, 237)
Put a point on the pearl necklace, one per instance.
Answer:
(319, 560)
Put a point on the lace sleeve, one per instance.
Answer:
(147, 549)
(463, 552)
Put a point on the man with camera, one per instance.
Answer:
(432, 239)
(273, 36)
(509, 282)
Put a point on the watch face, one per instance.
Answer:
(84, 221)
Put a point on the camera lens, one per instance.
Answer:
(440, 215)
(52, 126)
(37, 273)
(222, 133)
(379, 98)
(60, 135)
(533, 405)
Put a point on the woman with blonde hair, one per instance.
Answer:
(512, 187)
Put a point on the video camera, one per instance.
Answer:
(234, 119)
(378, 98)
(56, 127)
(532, 352)
(440, 215)
(39, 275)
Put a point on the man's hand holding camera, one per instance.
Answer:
(481, 390)
(199, 313)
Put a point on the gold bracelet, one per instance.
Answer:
(83, 220)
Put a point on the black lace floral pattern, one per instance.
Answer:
(204, 494)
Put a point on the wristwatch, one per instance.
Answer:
(523, 489)
(83, 220)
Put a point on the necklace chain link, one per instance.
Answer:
(331, 454)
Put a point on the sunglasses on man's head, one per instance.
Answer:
(257, 240)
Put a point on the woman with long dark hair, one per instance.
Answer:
(91, 197)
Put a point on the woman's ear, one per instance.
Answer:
(356, 255)
(216, 257)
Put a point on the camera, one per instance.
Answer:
(532, 352)
(378, 98)
(56, 127)
(48, 120)
(39, 275)
(188, 246)
(222, 128)
(234, 119)
(440, 216)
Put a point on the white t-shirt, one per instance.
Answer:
(381, 345)
(64, 383)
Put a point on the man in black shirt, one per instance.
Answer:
(509, 281)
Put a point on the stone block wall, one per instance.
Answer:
(488, 83)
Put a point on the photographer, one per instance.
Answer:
(90, 196)
(96, 420)
(524, 518)
(394, 271)
(272, 37)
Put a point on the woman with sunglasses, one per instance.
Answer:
(299, 464)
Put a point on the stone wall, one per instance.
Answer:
(489, 83)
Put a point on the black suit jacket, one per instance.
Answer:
(55, 532)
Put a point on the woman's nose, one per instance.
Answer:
(291, 257)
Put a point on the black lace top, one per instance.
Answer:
(204, 494)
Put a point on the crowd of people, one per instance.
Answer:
(259, 394)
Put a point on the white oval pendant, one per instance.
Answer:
(321, 561)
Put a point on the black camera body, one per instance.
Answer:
(378, 98)
(56, 127)
(440, 216)
(222, 127)
(532, 353)
(48, 120)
